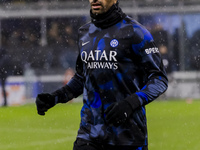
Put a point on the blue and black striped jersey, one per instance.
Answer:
(114, 63)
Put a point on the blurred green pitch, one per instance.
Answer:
(173, 125)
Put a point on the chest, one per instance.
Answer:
(109, 45)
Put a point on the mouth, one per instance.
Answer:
(96, 6)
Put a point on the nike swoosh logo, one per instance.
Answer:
(83, 44)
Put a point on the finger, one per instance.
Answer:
(109, 108)
(109, 114)
(44, 109)
(112, 116)
(41, 107)
(41, 113)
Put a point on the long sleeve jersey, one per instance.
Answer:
(113, 64)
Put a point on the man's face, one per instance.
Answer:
(101, 6)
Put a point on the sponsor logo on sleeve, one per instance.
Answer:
(152, 50)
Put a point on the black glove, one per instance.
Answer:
(118, 112)
(44, 102)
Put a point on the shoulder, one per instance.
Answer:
(134, 24)
(139, 32)
(88, 28)
(85, 27)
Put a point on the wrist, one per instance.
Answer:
(57, 98)
(62, 95)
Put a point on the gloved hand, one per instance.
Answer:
(45, 101)
(118, 112)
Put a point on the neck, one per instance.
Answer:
(111, 17)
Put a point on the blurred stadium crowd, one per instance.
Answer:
(22, 39)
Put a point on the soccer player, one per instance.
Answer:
(119, 70)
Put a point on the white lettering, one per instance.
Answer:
(97, 54)
(99, 60)
(84, 56)
(112, 55)
(106, 66)
(90, 66)
(103, 55)
(95, 65)
(111, 65)
(101, 65)
(90, 56)
(115, 66)
(152, 50)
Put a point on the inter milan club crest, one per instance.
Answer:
(114, 43)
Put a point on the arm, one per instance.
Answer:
(72, 89)
(156, 82)
(155, 74)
